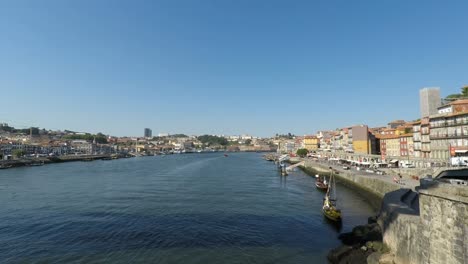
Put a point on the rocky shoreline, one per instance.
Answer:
(362, 245)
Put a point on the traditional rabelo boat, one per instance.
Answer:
(329, 208)
(321, 183)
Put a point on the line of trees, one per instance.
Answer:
(179, 136)
(288, 136)
(463, 94)
(35, 130)
(213, 140)
(100, 138)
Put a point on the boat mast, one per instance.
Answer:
(332, 186)
(329, 183)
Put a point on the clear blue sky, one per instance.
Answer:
(225, 67)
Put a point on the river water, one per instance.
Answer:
(192, 208)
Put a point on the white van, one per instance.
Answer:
(459, 161)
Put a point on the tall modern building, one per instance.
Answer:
(148, 133)
(429, 99)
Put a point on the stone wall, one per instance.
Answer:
(372, 184)
(444, 218)
(429, 228)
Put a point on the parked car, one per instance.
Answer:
(407, 165)
(345, 168)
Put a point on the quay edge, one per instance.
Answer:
(426, 224)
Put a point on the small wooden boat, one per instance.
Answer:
(225, 155)
(329, 207)
(321, 183)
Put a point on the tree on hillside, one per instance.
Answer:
(213, 140)
(100, 138)
(302, 152)
(248, 141)
(452, 96)
(464, 91)
(179, 136)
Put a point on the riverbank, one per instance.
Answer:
(364, 241)
(6, 164)
(418, 221)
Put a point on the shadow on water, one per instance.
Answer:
(335, 225)
(283, 180)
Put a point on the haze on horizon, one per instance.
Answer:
(225, 67)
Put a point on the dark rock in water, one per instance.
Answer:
(362, 242)
(362, 234)
(335, 255)
(374, 233)
(355, 257)
(349, 238)
(372, 220)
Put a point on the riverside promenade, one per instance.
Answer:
(372, 182)
(421, 221)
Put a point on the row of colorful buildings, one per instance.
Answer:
(437, 137)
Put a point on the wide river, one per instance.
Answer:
(193, 208)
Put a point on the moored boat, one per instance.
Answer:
(321, 186)
(331, 212)
(320, 183)
(329, 207)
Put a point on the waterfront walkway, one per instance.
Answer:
(406, 181)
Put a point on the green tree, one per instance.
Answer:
(18, 153)
(302, 152)
(452, 96)
(248, 141)
(100, 138)
(464, 92)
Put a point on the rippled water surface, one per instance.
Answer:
(193, 208)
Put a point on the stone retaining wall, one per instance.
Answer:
(371, 184)
(429, 227)
(434, 231)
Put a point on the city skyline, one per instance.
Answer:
(225, 68)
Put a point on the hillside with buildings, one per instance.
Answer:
(34, 142)
(436, 138)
